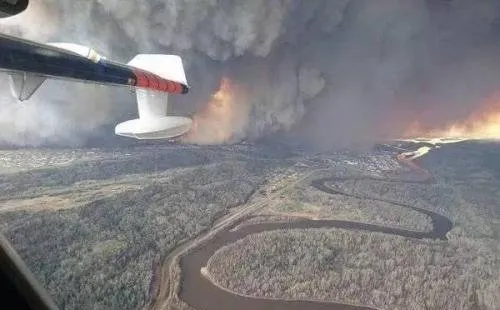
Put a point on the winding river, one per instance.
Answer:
(202, 294)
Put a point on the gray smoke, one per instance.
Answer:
(331, 72)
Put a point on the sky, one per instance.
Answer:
(332, 73)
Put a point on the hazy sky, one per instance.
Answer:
(336, 72)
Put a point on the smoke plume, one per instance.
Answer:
(329, 72)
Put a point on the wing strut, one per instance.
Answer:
(23, 85)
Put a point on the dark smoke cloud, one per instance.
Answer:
(332, 72)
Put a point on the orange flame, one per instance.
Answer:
(220, 119)
(482, 124)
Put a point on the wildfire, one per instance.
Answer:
(221, 118)
(482, 124)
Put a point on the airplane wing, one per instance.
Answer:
(76, 62)
(154, 76)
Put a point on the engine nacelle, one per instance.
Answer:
(158, 128)
(153, 122)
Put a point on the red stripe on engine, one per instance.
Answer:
(153, 82)
(178, 88)
(163, 85)
(169, 86)
(142, 80)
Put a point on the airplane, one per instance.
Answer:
(151, 76)
(29, 64)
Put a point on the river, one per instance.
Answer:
(202, 294)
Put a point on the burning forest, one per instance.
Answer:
(326, 72)
(482, 124)
(219, 120)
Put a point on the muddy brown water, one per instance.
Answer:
(202, 294)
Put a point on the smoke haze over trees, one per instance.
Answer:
(332, 72)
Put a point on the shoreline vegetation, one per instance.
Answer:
(279, 263)
(358, 268)
(108, 228)
(92, 230)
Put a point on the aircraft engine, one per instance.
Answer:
(153, 121)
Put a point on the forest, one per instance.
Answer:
(118, 217)
(361, 268)
(382, 270)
